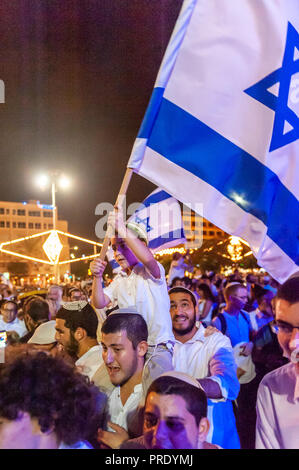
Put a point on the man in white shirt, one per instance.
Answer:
(76, 331)
(124, 344)
(209, 359)
(277, 424)
(9, 321)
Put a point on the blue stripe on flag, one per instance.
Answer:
(151, 112)
(155, 198)
(192, 145)
(166, 238)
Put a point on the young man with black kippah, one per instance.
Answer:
(76, 331)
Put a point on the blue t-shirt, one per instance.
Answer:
(237, 328)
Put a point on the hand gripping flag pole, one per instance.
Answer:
(122, 192)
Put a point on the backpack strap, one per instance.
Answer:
(215, 310)
(223, 323)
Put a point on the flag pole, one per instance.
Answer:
(121, 194)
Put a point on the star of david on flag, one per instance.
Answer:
(287, 76)
(159, 217)
(221, 127)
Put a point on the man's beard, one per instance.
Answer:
(130, 373)
(72, 348)
(180, 332)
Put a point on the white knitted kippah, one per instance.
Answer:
(75, 305)
(183, 377)
(185, 289)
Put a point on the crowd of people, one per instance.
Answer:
(149, 361)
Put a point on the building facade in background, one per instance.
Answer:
(23, 219)
(197, 230)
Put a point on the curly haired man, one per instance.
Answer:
(45, 404)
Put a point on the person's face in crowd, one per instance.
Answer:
(66, 338)
(251, 279)
(119, 356)
(76, 295)
(266, 304)
(183, 312)
(169, 425)
(201, 293)
(9, 312)
(21, 433)
(239, 298)
(54, 294)
(178, 283)
(5, 293)
(287, 320)
(122, 253)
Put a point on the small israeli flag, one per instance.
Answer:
(159, 221)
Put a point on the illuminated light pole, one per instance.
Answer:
(53, 191)
(64, 183)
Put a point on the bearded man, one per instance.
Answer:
(209, 359)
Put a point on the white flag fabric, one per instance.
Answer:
(222, 125)
(160, 219)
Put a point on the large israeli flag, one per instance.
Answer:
(159, 219)
(222, 125)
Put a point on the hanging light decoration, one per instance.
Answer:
(52, 247)
(235, 249)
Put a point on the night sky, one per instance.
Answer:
(78, 77)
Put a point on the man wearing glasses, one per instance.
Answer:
(277, 424)
(9, 321)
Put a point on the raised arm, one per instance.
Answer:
(98, 298)
(140, 250)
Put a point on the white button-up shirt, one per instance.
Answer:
(90, 361)
(17, 325)
(149, 295)
(120, 414)
(211, 357)
(277, 425)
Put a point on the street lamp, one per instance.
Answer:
(55, 179)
